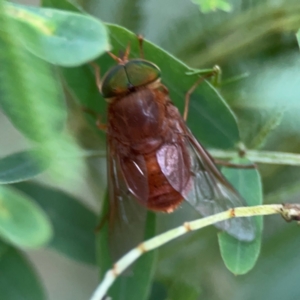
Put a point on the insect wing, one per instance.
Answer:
(210, 193)
(173, 161)
(126, 216)
(191, 171)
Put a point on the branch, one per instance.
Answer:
(265, 157)
(289, 212)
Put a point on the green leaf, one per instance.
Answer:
(280, 256)
(21, 166)
(32, 98)
(81, 81)
(240, 257)
(73, 224)
(210, 119)
(30, 94)
(18, 280)
(135, 285)
(22, 222)
(59, 37)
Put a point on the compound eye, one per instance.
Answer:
(141, 72)
(115, 82)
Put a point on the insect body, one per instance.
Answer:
(144, 135)
(153, 157)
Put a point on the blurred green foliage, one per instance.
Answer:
(207, 6)
(256, 46)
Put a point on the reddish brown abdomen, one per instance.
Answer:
(162, 196)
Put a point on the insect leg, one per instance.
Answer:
(215, 71)
(99, 124)
(102, 222)
(97, 75)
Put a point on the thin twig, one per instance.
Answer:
(289, 212)
(265, 157)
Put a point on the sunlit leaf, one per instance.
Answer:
(29, 89)
(32, 98)
(60, 37)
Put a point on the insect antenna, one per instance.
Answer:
(141, 40)
(192, 89)
(126, 53)
(114, 57)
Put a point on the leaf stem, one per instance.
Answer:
(289, 212)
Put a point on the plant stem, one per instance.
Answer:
(288, 211)
(265, 157)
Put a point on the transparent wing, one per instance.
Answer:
(210, 193)
(205, 188)
(127, 217)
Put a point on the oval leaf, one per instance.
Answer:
(22, 222)
(18, 280)
(60, 37)
(30, 94)
(240, 257)
(210, 119)
(21, 166)
(73, 224)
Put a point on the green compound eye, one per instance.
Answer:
(141, 72)
(115, 82)
(121, 78)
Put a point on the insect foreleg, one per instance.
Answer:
(216, 71)
(97, 75)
